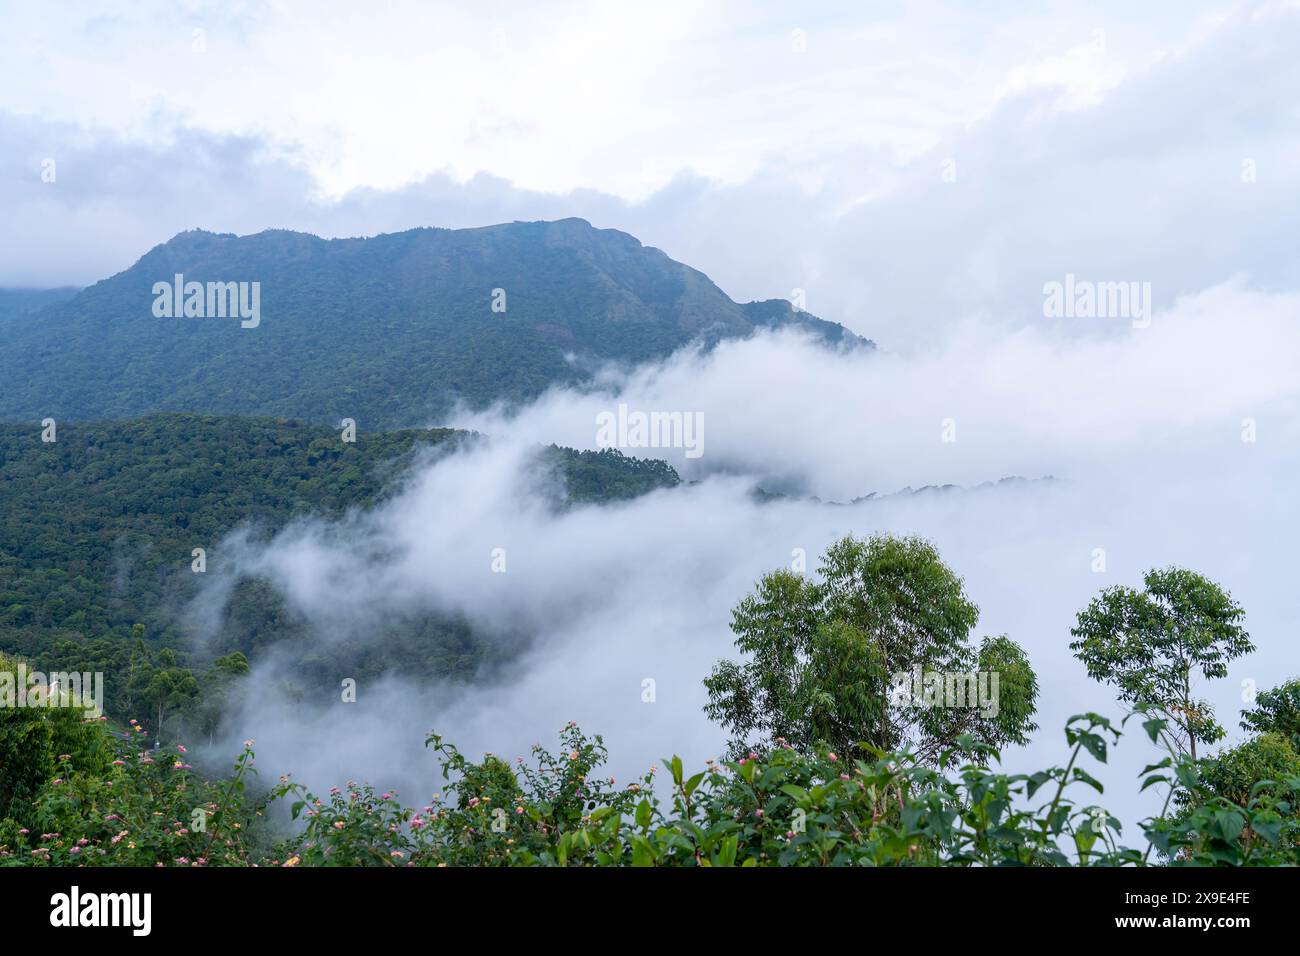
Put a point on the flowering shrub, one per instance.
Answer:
(780, 808)
(490, 814)
(148, 808)
(788, 809)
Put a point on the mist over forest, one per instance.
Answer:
(628, 436)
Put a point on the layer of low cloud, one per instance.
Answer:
(1145, 436)
(983, 404)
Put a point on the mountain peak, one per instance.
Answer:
(391, 329)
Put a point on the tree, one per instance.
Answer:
(1267, 765)
(163, 687)
(1150, 644)
(32, 738)
(1276, 711)
(825, 658)
(221, 692)
(1239, 773)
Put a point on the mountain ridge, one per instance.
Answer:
(391, 330)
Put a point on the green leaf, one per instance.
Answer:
(1036, 780)
(1230, 824)
(1156, 766)
(1094, 745)
(675, 765)
(642, 853)
(1090, 780)
(1269, 827)
(727, 854)
(799, 794)
(693, 783)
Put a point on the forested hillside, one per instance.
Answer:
(389, 330)
(98, 528)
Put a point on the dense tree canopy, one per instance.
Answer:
(875, 652)
(98, 529)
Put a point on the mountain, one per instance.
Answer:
(389, 331)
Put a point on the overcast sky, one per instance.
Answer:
(907, 165)
(554, 97)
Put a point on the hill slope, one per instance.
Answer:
(388, 330)
(96, 533)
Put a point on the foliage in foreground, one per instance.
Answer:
(782, 808)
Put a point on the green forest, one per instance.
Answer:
(98, 530)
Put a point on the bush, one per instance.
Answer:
(147, 808)
(787, 808)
